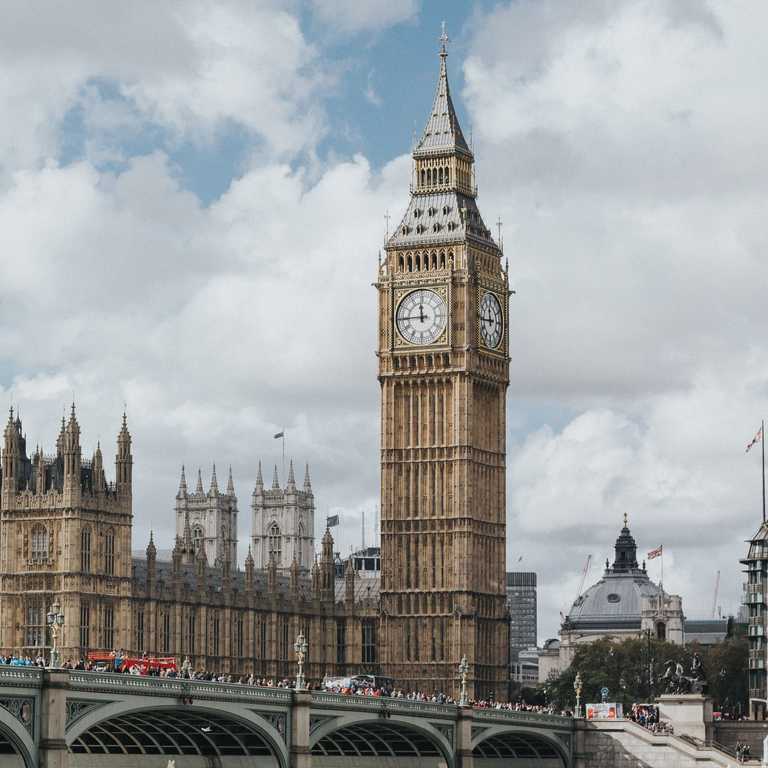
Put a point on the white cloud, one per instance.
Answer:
(219, 326)
(351, 16)
(193, 66)
(622, 145)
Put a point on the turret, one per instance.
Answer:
(349, 583)
(72, 455)
(275, 480)
(151, 560)
(39, 471)
(249, 571)
(294, 578)
(176, 556)
(11, 455)
(97, 469)
(199, 488)
(182, 492)
(316, 585)
(123, 461)
(307, 481)
(328, 576)
(201, 564)
(291, 486)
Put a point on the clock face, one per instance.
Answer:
(421, 317)
(491, 320)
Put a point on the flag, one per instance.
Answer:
(279, 434)
(332, 521)
(757, 437)
(656, 552)
(520, 559)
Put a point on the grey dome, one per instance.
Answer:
(613, 601)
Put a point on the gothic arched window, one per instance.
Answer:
(447, 175)
(275, 548)
(197, 538)
(39, 543)
(85, 550)
(109, 552)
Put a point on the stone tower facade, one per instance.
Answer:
(210, 516)
(444, 372)
(65, 536)
(283, 522)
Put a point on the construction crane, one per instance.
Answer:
(717, 591)
(584, 573)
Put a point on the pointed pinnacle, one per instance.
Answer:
(199, 488)
(214, 482)
(291, 478)
(259, 478)
(230, 483)
(275, 480)
(183, 481)
(307, 480)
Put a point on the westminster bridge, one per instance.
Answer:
(74, 719)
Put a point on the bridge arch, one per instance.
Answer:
(511, 746)
(209, 729)
(17, 747)
(381, 741)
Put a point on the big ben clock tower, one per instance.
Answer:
(444, 372)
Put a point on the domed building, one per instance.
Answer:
(624, 603)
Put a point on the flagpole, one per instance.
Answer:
(762, 442)
(283, 437)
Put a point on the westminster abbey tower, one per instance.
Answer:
(444, 371)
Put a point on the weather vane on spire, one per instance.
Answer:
(444, 40)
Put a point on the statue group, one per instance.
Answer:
(676, 681)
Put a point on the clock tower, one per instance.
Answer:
(444, 372)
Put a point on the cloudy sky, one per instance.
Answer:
(192, 197)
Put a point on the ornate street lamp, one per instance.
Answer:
(300, 647)
(578, 688)
(55, 619)
(463, 672)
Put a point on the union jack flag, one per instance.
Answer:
(656, 552)
(758, 436)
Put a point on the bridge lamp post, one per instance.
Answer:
(300, 647)
(55, 619)
(463, 672)
(577, 687)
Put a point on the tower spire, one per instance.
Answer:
(275, 481)
(214, 483)
(307, 480)
(291, 479)
(182, 485)
(230, 483)
(199, 489)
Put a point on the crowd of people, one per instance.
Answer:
(647, 715)
(22, 661)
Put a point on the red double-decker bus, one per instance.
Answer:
(146, 665)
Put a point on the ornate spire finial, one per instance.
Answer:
(444, 40)
(625, 519)
(214, 482)
(291, 478)
(307, 480)
(199, 488)
(230, 483)
(275, 480)
(182, 483)
(259, 479)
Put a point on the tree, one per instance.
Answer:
(632, 669)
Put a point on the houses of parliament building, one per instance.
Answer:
(65, 531)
